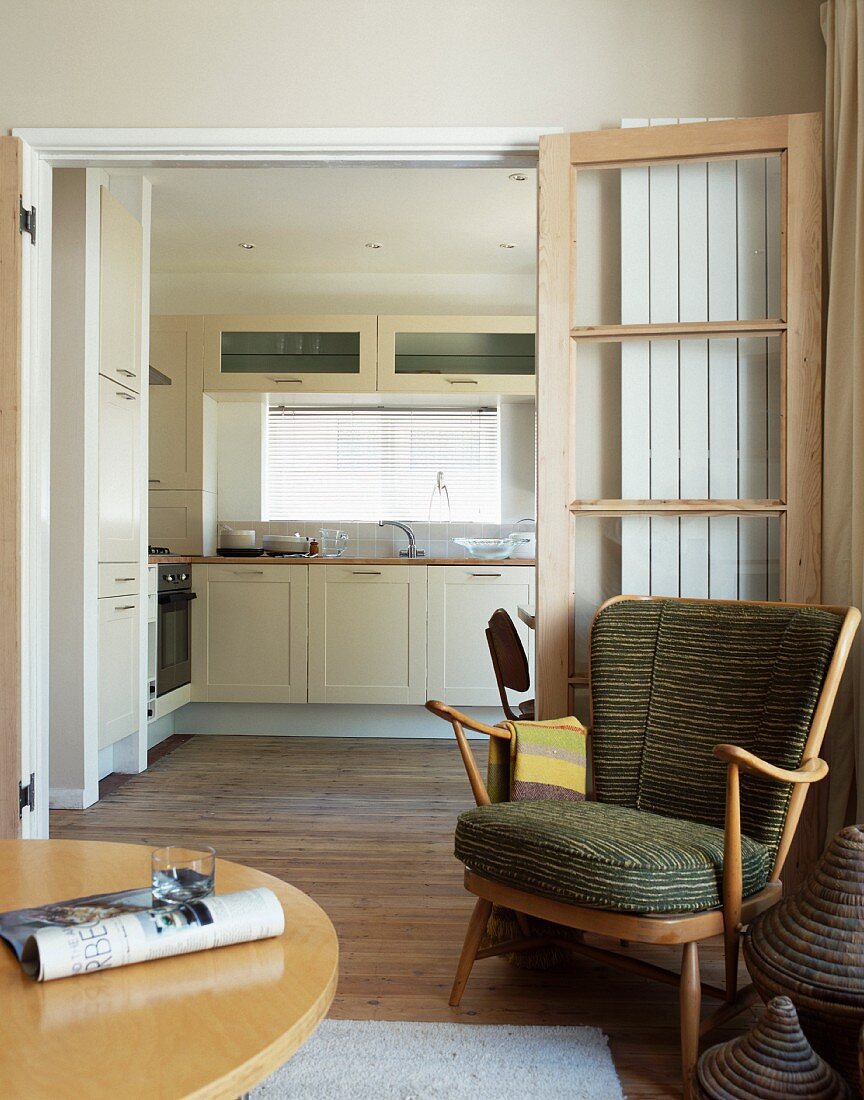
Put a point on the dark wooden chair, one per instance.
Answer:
(510, 664)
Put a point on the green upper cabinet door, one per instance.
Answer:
(326, 353)
(450, 354)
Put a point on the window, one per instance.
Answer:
(369, 464)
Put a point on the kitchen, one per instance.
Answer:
(341, 452)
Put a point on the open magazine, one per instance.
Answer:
(104, 931)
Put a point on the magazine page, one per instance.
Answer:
(105, 943)
(18, 925)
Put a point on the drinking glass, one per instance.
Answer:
(182, 874)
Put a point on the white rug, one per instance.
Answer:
(378, 1060)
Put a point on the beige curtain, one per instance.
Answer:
(843, 519)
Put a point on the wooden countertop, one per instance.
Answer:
(192, 559)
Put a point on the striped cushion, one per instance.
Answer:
(672, 679)
(614, 857)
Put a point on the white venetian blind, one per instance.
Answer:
(370, 464)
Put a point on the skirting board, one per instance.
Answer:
(71, 798)
(319, 720)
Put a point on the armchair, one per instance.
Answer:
(670, 850)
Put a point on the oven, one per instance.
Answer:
(174, 628)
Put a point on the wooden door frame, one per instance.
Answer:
(25, 356)
(796, 139)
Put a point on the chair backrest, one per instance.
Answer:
(670, 679)
(508, 657)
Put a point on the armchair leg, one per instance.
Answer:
(476, 928)
(691, 1000)
(732, 944)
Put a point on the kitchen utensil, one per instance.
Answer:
(491, 549)
(287, 544)
(230, 539)
(333, 542)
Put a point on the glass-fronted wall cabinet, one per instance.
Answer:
(450, 354)
(325, 353)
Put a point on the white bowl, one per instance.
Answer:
(237, 540)
(490, 549)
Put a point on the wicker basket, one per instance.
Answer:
(772, 1062)
(810, 947)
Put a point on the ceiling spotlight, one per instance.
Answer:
(245, 244)
(506, 244)
(373, 244)
(517, 177)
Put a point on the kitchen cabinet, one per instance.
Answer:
(325, 353)
(118, 668)
(120, 292)
(367, 634)
(119, 473)
(461, 602)
(451, 354)
(249, 633)
(178, 410)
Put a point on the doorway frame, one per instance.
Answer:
(46, 148)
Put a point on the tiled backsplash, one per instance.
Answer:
(368, 540)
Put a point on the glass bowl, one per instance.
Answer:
(491, 549)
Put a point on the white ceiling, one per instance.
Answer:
(318, 219)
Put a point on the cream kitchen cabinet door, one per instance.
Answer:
(450, 354)
(367, 634)
(119, 683)
(177, 411)
(461, 602)
(119, 472)
(120, 292)
(249, 633)
(325, 353)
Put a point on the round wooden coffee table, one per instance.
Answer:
(211, 1024)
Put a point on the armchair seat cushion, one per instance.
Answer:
(608, 856)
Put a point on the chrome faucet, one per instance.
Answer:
(412, 551)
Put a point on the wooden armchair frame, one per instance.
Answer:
(685, 929)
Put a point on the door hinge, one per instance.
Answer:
(27, 220)
(27, 796)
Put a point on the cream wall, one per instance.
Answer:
(581, 64)
(235, 292)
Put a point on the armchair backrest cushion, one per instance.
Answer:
(670, 679)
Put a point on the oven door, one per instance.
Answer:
(174, 637)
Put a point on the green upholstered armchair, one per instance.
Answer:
(707, 718)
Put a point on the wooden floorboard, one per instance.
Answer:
(365, 826)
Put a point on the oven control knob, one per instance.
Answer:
(171, 577)
(183, 577)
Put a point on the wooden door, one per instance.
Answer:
(710, 393)
(462, 599)
(367, 633)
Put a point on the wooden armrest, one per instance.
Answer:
(810, 771)
(451, 715)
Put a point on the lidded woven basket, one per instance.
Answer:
(810, 947)
(774, 1061)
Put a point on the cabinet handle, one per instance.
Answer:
(486, 574)
(367, 573)
(127, 373)
(124, 578)
(125, 607)
(153, 481)
(463, 381)
(299, 381)
(248, 572)
(125, 396)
